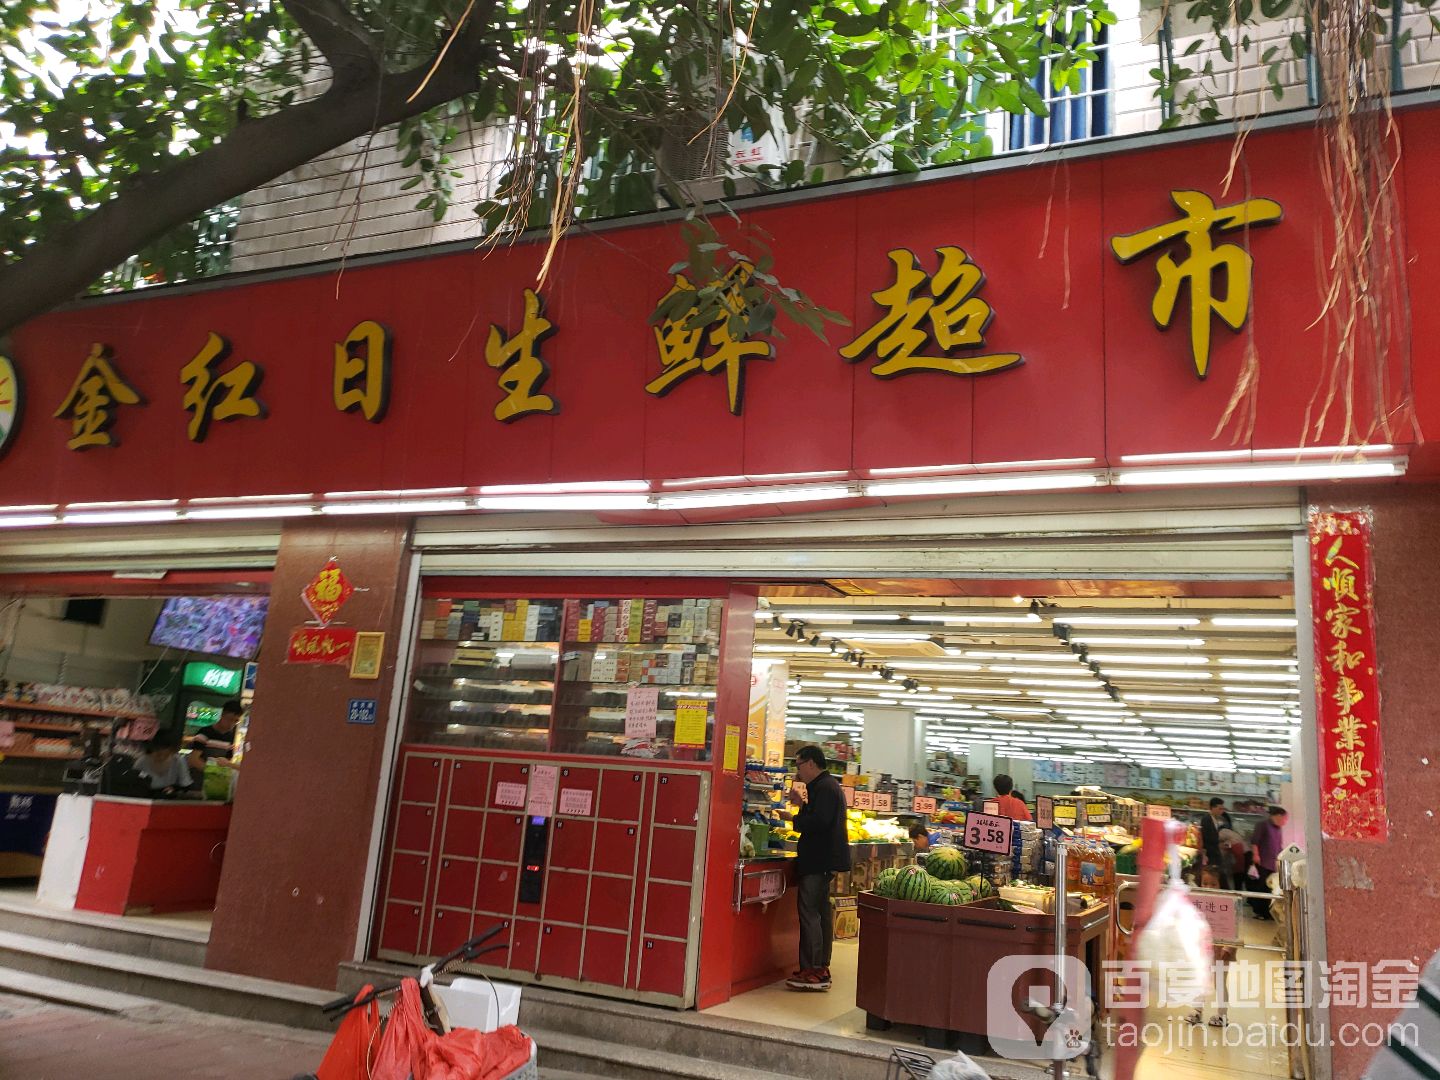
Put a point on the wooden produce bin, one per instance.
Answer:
(928, 965)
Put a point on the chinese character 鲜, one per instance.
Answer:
(228, 395)
(1351, 766)
(362, 371)
(523, 373)
(91, 404)
(952, 315)
(1197, 269)
(682, 344)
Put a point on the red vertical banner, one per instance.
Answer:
(1347, 685)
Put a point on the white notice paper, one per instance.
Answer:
(541, 802)
(510, 795)
(575, 801)
(641, 704)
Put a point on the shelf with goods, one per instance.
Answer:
(33, 725)
(1197, 800)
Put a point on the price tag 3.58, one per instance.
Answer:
(987, 832)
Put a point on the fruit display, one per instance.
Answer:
(885, 883)
(915, 884)
(863, 827)
(946, 863)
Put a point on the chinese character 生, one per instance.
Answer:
(229, 395)
(522, 372)
(362, 371)
(1197, 269)
(682, 343)
(951, 315)
(91, 404)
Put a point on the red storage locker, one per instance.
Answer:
(408, 874)
(573, 779)
(570, 843)
(677, 799)
(560, 951)
(524, 944)
(672, 854)
(506, 772)
(604, 961)
(612, 903)
(469, 782)
(503, 833)
(414, 827)
(420, 780)
(662, 967)
(400, 928)
(495, 890)
(455, 883)
(565, 896)
(620, 793)
(463, 830)
(667, 909)
(448, 931)
(616, 848)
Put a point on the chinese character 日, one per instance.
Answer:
(956, 317)
(681, 342)
(522, 373)
(92, 401)
(362, 371)
(227, 396)
(1203, 259)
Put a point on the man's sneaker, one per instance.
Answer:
(809, 980)
(824, 973)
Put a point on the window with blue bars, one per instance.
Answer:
(1074, 114)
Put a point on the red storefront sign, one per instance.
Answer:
(396, 382)
(1347, 686)
(320, 645)
(327, 593)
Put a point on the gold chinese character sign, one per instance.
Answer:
(96, 395)
(522, 371)
(11, 402)
(212, 395)
(689, 344)
(1347, 687)
(362, 371)
(1202, 260)
(941, 311)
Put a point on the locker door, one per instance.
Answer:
(677, 799)
(560, 951)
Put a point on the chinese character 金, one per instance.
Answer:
(522, 373)
(1351, 766)
(362, 371)
(681, 342)
(1197, 269)
(227, 396)
(91, 404)
(956, 317)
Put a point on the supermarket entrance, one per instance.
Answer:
(1074, 708)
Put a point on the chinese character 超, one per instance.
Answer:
(226, 396)
(957, 320)
(1203, 259)
(522, 370)
(92, 401)
(362, 371)
(681, 343)
(1351, 766)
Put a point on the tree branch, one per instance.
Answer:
(65, 263)
(352, 52)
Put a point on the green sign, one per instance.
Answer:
(212, 677)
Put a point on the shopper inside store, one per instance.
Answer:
(166, 770)
(823, 851)
(1010, 806)
(216, 742)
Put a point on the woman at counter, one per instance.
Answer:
(166, 770)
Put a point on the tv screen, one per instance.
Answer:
(219, 625)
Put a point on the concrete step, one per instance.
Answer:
(239, 996)
(176, 944)
(59, 992)
(594, 1057)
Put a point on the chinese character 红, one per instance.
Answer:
(362, 371)
(522, 371)
(226, 396)
(91, 404)
(956, 317)
(681, 341)
(1203, 259)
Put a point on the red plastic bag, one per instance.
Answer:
(406, 1036)
(353, 1046)
(467, 1054)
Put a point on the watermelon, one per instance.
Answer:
(980, 886)
(946, 863)
(912, 883)
(951, 893)
(885, 882)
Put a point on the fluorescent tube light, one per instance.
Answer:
(564, 502)
(1040, 463)
(1071, 683)
(1258, 474)
(120, 517)
(131, 504)
(1152, 673)
(978, 485)
(245, 513)
(1214, 717)
(985, 654)
(1278, 690)
(838, 616)
(392, 494)
(1149, 642)
(1176, 699)
(754, 497)
(1016, 669)
(979, 620)
(977, 691)
(1142, 658)
(1257, 622)
(569, 488)
(414, 506)
(1255, 661)
(28, 521)
(929, 665)
(1176, 623)
(230, 500)
(875, 635)
(1261, 676)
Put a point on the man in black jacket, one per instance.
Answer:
(1210, 828)
(823, 851)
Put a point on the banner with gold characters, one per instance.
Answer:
(1347, 685)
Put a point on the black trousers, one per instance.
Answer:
(1260, 907)
(817, 924)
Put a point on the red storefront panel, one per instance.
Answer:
(565, 897)
(400, 927)
(611, 902)
(667, 909)
(468, 780)
(662, 966)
